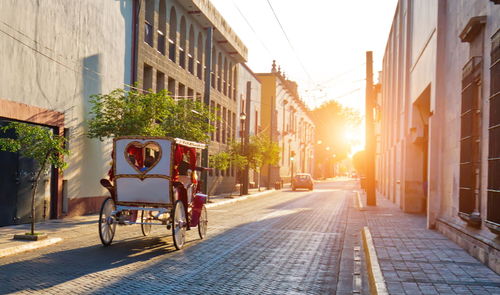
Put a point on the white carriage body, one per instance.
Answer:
(152, 185)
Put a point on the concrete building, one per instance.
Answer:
(286, 119)
(439, 119)
(248, 94)
(178, 42)
(54, 55)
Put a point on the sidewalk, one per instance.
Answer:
(416, 260)
(60, 229)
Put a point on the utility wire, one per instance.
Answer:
(289, 43)
(251, 28)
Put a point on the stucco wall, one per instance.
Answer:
(54, 54)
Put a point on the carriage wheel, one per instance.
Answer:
(107, 223)
(203, 223)
(145, 228)
(179, 224)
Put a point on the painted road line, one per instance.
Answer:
(375, 276)
(238, 199)
(28, 246)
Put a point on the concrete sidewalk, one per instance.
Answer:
(60, 229)
(416, 260)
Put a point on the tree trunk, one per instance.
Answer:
(33, 193)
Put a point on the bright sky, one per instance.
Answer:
(326, 45)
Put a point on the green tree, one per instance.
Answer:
(129, 112)
(39, 144)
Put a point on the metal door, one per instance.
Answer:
(8, 186)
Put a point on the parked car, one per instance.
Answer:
(302, 180)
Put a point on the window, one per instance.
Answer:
(219, 72)
(224, 83)
(182, 43)
(171, 86)
(471, 121)
(160, 81)
(147, 78)
(493, 205)
(162, 26)
(191, 50)
(149, 22)
(172, 35)
(199, 57)
(224, 125)
(182, 91)
(217, 128)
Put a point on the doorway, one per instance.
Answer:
(16, 186)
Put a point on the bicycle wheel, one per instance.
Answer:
(203, 223)
(179, 224)
(145, 228)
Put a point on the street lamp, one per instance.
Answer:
(243, 188)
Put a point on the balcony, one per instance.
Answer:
(148, 33)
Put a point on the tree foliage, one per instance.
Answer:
(129, 112)
(38, 143)
(259, 152)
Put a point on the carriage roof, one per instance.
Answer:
(180, 141)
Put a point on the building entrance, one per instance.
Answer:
(17, 176)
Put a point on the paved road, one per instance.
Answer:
(286, 243)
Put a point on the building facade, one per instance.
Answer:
(187, 48)
(439, 134)
(285, 118)
(248, 95)
(51, 64)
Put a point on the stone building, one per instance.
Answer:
(51, 63)
(177, 44)
(439, 134)
(286, 119)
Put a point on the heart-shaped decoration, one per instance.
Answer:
(143, 156)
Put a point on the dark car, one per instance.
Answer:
(302, 180)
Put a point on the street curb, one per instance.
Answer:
(28, 247)
(360, 205)
(375, 276)
(241, 198)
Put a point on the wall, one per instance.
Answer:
(54, 54)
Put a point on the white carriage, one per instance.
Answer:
(156, 176)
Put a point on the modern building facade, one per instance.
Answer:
(187, 48)
(51, 64)
(439, 139)
(285, 118)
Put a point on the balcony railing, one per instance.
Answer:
(161, 42)
(148, 33)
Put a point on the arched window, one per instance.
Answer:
(162, 27)
(149, 22)
(225, 82)
(182, 43)
(172, 35)
(191, 50)
(199, 57)
(219, 72)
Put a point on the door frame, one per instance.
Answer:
(16, 111)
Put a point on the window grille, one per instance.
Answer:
(470, 135)
(493, 200)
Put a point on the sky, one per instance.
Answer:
(324, 45)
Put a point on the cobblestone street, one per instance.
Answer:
(284, 243)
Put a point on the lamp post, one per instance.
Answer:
(243, 188)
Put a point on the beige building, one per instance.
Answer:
(177, 43)
(439, 139)
(51, 64)
(286, 119)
